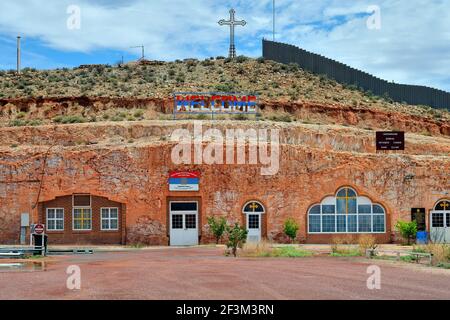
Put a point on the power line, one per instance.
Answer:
(143, 50)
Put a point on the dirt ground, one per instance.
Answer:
(205, 273)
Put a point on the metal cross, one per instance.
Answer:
(232, 23)
(254, 206)
(444, 205)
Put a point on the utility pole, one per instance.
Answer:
(18, 54)
(143, 50)
(274, 20)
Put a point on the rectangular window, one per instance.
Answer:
(364, 223)
(437, 220)
(177, 221)
(191, 221)
(253, 221)
(183, 206)
(110, 218)
(448, 220)
(55, 219)
(328, 223)
(364, 208)
(341, 223)
(81, 200)
(341, 206)
(351, 223)
(352, 205)
(327, 208)
(314, 223)
(82, 219)
(378, 223)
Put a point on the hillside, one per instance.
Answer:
(130, 92)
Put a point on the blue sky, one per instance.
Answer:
(412, 46)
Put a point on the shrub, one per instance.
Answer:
(218, 227)
(291, 228)
(407, 230)
(241, 59)
(367, 242)
(261, 60)
(237, 236)
(69, 119)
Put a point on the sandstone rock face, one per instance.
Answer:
(315, 161)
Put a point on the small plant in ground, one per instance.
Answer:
(237, 236)
(407, 230)
(218, 227)
(367, 242)
(69, 119)
(291, 228)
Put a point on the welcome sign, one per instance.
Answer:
(184, 181)
(210, 103)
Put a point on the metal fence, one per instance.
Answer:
(411, 94)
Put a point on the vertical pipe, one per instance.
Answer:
(18, 54)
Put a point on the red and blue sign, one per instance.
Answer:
(184, 181)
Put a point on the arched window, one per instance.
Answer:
(443, 205)
(346, 213)
(253, 207)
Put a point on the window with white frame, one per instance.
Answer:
(346, 212)
(55, 219)
(110, 218)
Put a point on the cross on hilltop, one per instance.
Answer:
(232, 23)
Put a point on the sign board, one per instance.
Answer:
(214, 103)
(184, 181)
(390, 140)
(418, 214)
(25, 220)
(38, 229)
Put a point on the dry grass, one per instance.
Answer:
(366, 242)
(271, 80)
(440, 252)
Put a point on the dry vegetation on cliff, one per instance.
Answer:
(152, 79)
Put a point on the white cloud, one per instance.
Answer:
(413, 45)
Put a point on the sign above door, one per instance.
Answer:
(184, 181)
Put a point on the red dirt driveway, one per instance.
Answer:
(205, 273)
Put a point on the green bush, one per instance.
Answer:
(290, 252)
(237, 236)
(218, 227)
(408, 230)
(291, 228)
(69, 119)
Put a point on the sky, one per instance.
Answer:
(406, 41)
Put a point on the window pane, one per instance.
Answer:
(191, 221)
(50, 213)
(328, 209)
(364, 222)
(253, 221)
(341, 206)
(377, 209)
(342, 193)
(60, 213)
(351, 206)
(448, 220)
(105, 224)
(314, 223)
(183, 206)
(350, 193)
(378, 223)
(351, 223)
(315, 210)
(254, 207)
(437, 220)
(114, 213)
(77, 224)
(341, 223)
(177, 221)
(51, 224)
(364, 208)
(114, 224)
(328, 223)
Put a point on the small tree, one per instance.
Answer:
(408, 230)
(237, 236)
(217, 227)
(291, 228)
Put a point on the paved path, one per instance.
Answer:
(204, 273)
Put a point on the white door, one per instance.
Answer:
(440, 226)
(183, 223)
(254, 227)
